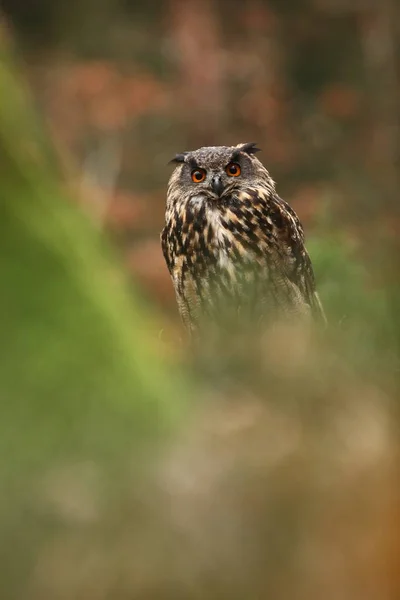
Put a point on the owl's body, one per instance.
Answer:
(234, 249)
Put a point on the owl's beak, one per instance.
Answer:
(217, 186)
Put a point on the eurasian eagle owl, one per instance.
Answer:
(231, 244)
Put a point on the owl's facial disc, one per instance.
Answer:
(216, 180)
(216, 172)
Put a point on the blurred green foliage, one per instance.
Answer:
(80, 378)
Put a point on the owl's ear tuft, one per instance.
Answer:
(178, 158)
(249, 148)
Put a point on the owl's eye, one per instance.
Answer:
(233, 169)
(198, 175)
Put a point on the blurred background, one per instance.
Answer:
(127, 472)
(124, 85)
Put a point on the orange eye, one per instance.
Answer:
(198, 175)
(233, 169)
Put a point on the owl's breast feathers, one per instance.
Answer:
(249, 245)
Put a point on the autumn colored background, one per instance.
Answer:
(128, 467)
(124, 85)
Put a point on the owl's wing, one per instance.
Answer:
(182, 280)
(165, 246)
(296, 261)
(281, 239)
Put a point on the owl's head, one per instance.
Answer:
(218, 172)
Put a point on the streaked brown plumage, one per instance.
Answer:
(232, 245)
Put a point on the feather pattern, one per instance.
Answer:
(241, 252)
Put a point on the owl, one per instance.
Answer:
(234, 249)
